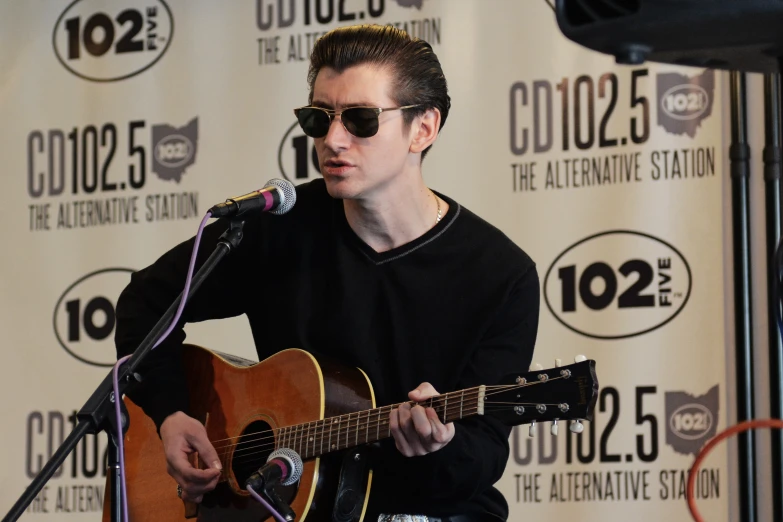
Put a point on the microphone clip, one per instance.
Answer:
(281, 507)
(234, 234)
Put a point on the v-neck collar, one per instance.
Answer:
(430, 235)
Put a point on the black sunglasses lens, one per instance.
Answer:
(360, 121)
(314, 122)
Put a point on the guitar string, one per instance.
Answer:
(301, 432)
(248, 457)
(470, 393)
(298, 431)
(308, 437)
(263, 448)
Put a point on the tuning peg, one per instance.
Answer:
(536, 367)
(576, 426)
(558, 363)
(553, 429)
(579, 358)
(532, 430)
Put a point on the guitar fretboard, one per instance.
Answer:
(313, 439)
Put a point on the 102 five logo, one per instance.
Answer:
(104, 42)
(84, 316)
(617, 284)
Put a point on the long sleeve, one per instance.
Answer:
(150, 292)
(476, 457)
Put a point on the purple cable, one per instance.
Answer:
(117, 398)
(266, 504)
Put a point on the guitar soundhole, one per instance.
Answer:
(253, 448)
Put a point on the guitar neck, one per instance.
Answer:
(313, 439)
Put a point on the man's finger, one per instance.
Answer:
(399, 437)
(421, 423)
(195, 477)
(439, 430)
(206, 451)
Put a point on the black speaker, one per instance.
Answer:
(743, 35)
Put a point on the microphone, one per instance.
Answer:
(284, 466)
(278, 197)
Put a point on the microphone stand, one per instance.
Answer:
(97, 414)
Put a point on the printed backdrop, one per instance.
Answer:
(122, 122)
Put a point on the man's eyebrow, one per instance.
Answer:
(325, 105)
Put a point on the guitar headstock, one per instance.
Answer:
(559, 393)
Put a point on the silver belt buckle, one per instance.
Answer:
(403, 518)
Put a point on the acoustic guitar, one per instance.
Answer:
(320, 410)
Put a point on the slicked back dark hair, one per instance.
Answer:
(416, 72)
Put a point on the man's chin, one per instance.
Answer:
(338, 188)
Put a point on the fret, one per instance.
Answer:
(357, 427)
(367, 431)
(305, 429)
(311, 437)
(378, 426)
(331, 424)
(348, 430)
(307, 441)
(461, 403)
(323, 426)
(445, 407)
(311, 434)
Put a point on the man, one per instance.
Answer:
(371, 268)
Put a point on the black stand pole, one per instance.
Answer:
(98, 412)
(739, 156)
(772, 172)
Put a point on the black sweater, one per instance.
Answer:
(457, 307)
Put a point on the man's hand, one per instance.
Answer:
(182, 436)
(417, 430)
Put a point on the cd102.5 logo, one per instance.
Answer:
(617, 284)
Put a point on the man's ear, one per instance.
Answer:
(424, 130)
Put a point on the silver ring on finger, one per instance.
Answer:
(179, 491)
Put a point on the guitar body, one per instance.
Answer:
(235, 399)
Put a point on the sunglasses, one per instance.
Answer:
(362, 122)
